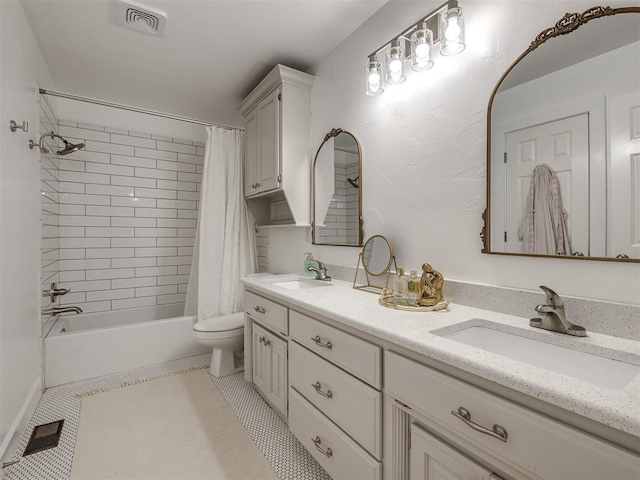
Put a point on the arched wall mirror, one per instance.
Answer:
(563, 155)
(337, 191)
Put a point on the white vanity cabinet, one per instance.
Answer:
(278, 149)
(268, 350)
(336, 403)
(508, 437)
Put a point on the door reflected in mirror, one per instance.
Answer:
(337, 191)
(564, 142)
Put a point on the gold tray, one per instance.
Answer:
(388, 300)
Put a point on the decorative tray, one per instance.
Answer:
(387, 299)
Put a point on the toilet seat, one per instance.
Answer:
(227, 324)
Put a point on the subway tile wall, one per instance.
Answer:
(127, 217)
(49, 202)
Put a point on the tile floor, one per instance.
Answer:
(287, 457)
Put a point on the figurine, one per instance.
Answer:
(431, 282)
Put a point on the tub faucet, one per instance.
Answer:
(52, 310)
(321, 271)
(554, 318)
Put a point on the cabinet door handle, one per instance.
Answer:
(259, 309)
(316, 441)
(258, 185)
(318, 388)
(497, 432)
(320, 344)
(264, 341)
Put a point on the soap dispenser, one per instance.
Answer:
(309, 262)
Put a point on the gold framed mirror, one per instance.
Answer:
(337, 191)
(376, 258)
(563, 143)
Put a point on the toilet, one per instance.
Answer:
(226, 336)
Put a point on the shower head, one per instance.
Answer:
(354, 182)
(68, 147)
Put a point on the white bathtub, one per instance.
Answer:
(88, 345)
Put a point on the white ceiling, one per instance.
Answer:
(212, 54)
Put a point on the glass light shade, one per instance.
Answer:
(373, 78)
(422, 50)
(395, 65)
(452, 32)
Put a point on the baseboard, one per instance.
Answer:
(24, 417)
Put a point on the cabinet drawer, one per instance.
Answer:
(266, 312)
(344, 459)
(352, 404)
(353, 354)
(536, 443)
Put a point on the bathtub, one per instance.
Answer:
(88, 345)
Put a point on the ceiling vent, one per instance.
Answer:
(141, 17)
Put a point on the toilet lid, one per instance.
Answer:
(220, 324)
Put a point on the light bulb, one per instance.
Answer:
(422, 51)
(395, 67)
(452, 33)
(374, 79)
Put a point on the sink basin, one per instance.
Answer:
(301, 284)
(601, 371)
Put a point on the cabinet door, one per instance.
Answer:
(278, 384)
(431, 459)
(260, 361)
(251, 159)
(268, 111)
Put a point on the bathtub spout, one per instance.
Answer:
(51, 310)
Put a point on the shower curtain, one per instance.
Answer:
(224, 249)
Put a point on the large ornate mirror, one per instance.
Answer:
(563, 156)
(337, 191)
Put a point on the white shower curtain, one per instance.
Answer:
(225, 244)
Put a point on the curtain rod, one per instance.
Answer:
(133, 109)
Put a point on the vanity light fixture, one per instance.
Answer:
(415, 45)
(373, 77)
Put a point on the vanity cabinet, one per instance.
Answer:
(267, 352)
(336, 403)
(277, 150)
(269, 363)
(506, 436)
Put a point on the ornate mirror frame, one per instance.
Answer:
(564, 26)
(332, 134)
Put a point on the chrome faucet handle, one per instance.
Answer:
(553, 299)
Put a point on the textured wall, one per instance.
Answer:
(424, 154)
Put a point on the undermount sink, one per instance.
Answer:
(301, 284)
(601, 371)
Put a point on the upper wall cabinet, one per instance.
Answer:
(278, 148)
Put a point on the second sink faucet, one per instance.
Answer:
(321, 271)
(554, 318)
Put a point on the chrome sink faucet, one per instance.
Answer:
(554, 318)
(321, 271)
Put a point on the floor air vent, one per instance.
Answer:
(44, 437)
(141, 17)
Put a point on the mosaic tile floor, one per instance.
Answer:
(287, 457)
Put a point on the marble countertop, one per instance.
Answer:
(619, 409)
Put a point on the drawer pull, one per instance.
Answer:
(317, 442)
(318, 387)
(265, 341)
(498, 432)
(259, 309)
(320, 344)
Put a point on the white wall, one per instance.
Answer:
(21, 67)
(424, 153)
